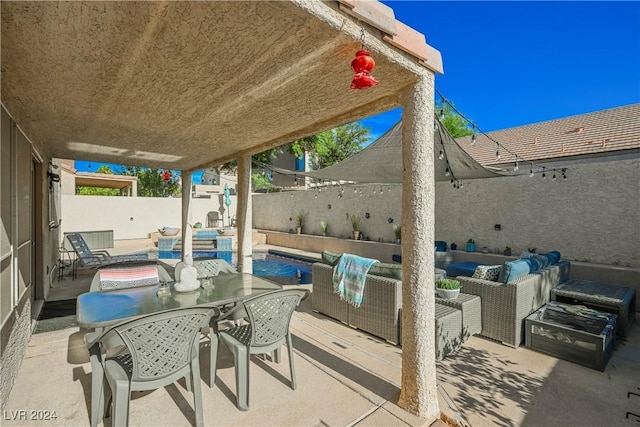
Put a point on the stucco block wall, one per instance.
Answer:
(135, 217)
(593, 216)
(275, 211)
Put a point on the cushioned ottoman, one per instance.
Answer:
(466, 268)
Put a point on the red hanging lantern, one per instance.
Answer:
(166, 175)
(362, 65)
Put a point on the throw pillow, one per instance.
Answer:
(392, 271)
(330, 258)
(128, 277)
(543, 260)
(554, 256)
(534, 264)
(512, 270)
(487, 272)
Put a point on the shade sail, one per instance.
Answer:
(381, 162)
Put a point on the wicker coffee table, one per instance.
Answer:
(619, 300)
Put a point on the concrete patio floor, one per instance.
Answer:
(345, 377)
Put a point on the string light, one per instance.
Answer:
(441, 114)
(476, 130)
(564, 176)
(554, 174)
(544, 172)
(447, 172)
(441, 155)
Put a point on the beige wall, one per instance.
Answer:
(134, 217)
(592, 216)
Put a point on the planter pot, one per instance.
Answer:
(298, 230)
(448, 293)
(398, 241)
(471, 247)
(356, 235)
(324, 234)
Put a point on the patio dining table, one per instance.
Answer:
(103, 309)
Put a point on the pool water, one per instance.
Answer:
(279, 267)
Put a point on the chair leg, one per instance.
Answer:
(291, 364)
(97, 387)
(213, 357)
(121, 396)
(241, 360)
(197, 392)
(276, 356)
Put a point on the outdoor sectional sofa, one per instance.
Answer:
(505, 305)
(380, 311)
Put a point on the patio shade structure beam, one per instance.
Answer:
(187, 236)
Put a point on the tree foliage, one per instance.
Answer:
(151, 182)
(331, 146)
(453, 122)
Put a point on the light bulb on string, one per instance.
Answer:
(531, 171)
(473, 139)
(564, 176)
(515, 168)
(554, 174)
(459, 184)
(442, 114)
(447, 172)
(544, 175)
(441, 155)
(497, 153)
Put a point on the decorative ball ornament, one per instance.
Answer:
(166, 175)
(362, 66)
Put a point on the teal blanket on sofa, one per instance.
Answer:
(349, 277)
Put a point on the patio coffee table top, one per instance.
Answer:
(594, 291)
(101, 309)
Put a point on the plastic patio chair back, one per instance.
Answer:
(270, 315)
(163, 344)
(206, 267)
(268, 329)
(162, 348)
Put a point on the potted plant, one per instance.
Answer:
(471, 246)
(397, 231)
(448, 288)
(324, 225)
(298, 217)
(507, 251)
(355, 225)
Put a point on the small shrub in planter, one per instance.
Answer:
(448, 288)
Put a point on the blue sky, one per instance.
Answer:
(511, 63)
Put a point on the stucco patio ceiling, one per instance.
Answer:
(183, 85)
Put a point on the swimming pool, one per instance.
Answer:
(280, 267)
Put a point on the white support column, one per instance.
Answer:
(244, 216)
(419, 393)
(187, 242)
